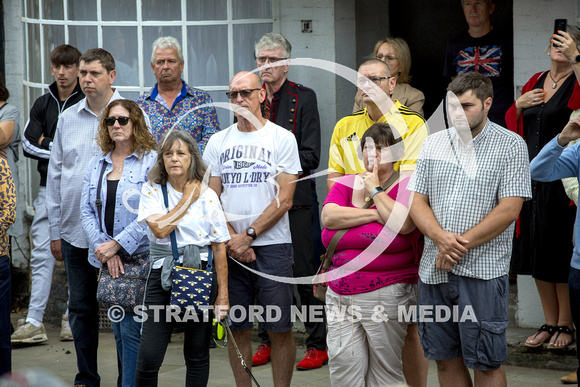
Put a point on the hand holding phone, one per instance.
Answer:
(559, 25)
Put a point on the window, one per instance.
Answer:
(217, 39)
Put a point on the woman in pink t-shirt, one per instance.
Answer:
(378, 259)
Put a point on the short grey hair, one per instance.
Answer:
(166, 42)
(273, 40)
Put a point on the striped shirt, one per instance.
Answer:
(73, 147)
(464, 183)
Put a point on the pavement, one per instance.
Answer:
(59, 358)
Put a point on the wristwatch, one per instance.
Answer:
(376, 191)
(251, 232)
(575, 60)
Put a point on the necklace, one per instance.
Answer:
(555, 84)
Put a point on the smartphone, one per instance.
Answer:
(560, 25)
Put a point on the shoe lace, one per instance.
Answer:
(262, 348)
(311, 353)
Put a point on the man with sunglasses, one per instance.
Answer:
(254, 167)
(295, 108)
(73, 147)
(63, 93)
(376, 86)
(172, 100)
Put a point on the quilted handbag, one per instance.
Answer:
(190, 288)
(126, 291)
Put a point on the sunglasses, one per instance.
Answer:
(244, 93)
(110, 121)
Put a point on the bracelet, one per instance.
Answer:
(517, 107)
(376, 191)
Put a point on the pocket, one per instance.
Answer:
(485, 185)
(492, 344)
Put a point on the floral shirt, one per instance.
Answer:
(200, 122)
(7, 206)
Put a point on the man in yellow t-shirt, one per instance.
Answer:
(345, 154)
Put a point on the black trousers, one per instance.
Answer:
(157, 333)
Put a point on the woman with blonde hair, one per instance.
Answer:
(395, 53)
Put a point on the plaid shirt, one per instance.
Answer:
(73, 147)
(464, 183)
(200, 123)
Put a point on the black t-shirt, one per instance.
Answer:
(490, 55)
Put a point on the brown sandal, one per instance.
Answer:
(545, 328)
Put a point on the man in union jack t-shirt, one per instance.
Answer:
(485, 50)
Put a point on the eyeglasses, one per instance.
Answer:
(385, 58)
(244, 93)
(265, 59)
(110, 121)
(360, 82)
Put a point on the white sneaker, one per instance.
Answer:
(65, 332)
(28, 334)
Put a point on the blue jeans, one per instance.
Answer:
(83, 312)
(128, 338)
(574, 290)
(5, 303)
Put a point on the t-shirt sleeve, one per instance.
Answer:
(151, 202)
(211, 157)
(418, 181)
(449, 66)
(288, 158)
(341, 192)
(515, 176)
(336, 153)
(215, 218)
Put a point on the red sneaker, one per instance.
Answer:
(262, 355)
(313, 359)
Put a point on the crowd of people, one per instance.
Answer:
(415, 218)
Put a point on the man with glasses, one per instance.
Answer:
(376, 85)
(254, 167)
(63, 93)
(172, 100)
(486, 50)
(73, 147)
(295, 108)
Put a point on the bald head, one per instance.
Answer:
(250, 80)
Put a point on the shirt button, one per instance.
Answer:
(292, 110)
(290, 120)
(294, 100)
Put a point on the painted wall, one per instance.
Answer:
(333, 39)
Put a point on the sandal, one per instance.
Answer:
(545, 328)
(565, 330)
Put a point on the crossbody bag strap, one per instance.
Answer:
(98, 202)
(172, 235)
(336, 238)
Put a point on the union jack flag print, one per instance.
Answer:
(485, 60)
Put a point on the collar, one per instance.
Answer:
(154, 92)
(108, 159)
(394, 110)
(82, 105)
(53, 90)
(480, 137)
(279, 92)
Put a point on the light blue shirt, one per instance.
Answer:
(131, 235)
(73, 147)
(554, 163)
